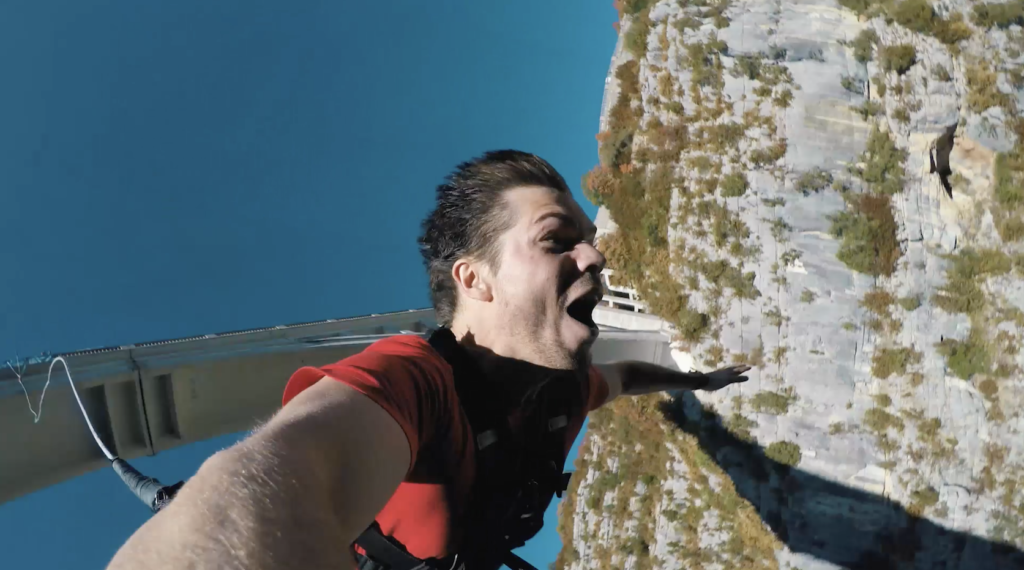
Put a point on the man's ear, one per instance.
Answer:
(473, 280)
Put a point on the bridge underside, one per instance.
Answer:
(147, 398)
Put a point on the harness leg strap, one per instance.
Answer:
(563, 484)
(384, 551)
(516, 563)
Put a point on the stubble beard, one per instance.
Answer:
(541, 339)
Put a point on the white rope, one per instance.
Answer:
(39, 414)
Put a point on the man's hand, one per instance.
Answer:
(725, 376)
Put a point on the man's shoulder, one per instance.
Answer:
(405, 345)
(400, 352)
(404, 351)
(392, 364)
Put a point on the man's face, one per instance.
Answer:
(548, 280)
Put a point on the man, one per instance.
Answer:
(382, 438)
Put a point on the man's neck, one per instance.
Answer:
(501, 349)
(516, 377)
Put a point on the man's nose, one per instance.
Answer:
(588, 258)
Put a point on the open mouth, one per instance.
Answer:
(582, 309)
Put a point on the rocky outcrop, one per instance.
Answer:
(768, 166)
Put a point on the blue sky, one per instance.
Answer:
(176, 168)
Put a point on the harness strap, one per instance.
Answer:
(388, 553)
(516, 563)
(488, 419)
(564, 484)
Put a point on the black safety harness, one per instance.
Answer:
(517, 471)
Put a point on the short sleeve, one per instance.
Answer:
(403, 375)
(597, 391)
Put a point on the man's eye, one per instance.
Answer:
(560, 243)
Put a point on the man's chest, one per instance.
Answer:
(430, 511)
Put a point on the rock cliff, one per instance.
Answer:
(833, 193)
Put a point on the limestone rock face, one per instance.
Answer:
(767, 164)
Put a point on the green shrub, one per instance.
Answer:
(858, 6)
(910, 303)
(722, 273)
(921, 499)
(867, 231)
(636, 35)
(882, 400)
(983, 89)
(740, 426)
(813, 181)
(783, 99)
(615, 145)
(790, 256)
(926, 497)
(784, 452)
(748, 66)
(884, 163)
(999, 14)
(988, 388)
(628, 76)
(780, 228)
(774, 317)
(878, 301)
(1009, 184)
(692, 324)
(898, 58)
(687, 22)
(733, 184)
(807, 296)
(880, 421)
(868, 109)
(1010, 227)
(962, 292)
(952, 30)
(761, 157)
(1009, 194)
(634, 7)
(864, 45)
(852, 84)
(916, 15)
(616, 149)
(777, 53)
(774, 403)
(880, 86)
(959, 296)
(966, 357)
(970, 263)
(889, 361)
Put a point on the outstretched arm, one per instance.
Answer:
(293, 495)
(634, 378)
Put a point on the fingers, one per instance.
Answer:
(729, 375)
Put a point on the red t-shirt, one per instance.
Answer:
(412, 382)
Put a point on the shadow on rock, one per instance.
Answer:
(832, 522)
